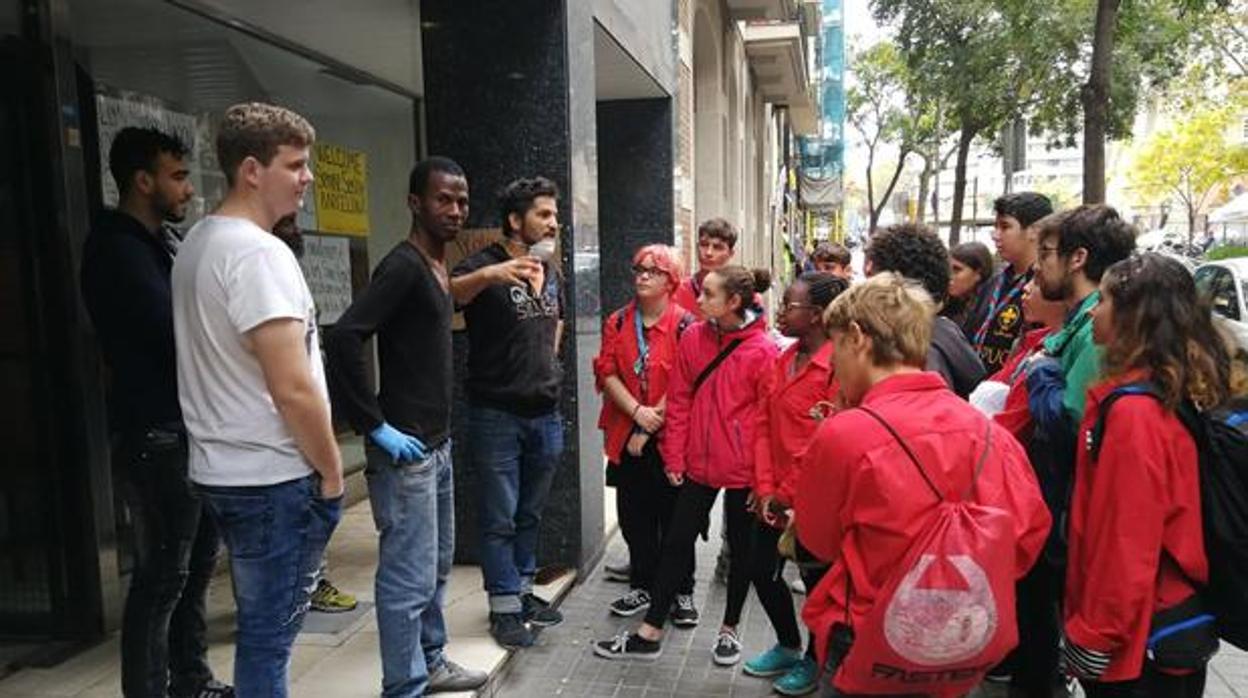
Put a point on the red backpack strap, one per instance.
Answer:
(979, 466)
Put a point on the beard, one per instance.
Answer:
(1061, 292)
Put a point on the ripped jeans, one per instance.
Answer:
(276, 535)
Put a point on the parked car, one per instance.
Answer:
(1225, 284)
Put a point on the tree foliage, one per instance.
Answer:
(1191, 161)
(987, 60)
(875, 105)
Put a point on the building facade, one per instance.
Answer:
(649, 114)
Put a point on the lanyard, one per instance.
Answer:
(1016, 291)
(641, 365)
(643, 349)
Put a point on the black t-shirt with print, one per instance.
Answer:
(512, 365)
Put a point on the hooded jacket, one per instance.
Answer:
(709, 436)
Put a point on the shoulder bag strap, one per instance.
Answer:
(905, 447)
(715, 362)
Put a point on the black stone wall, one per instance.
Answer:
(505, 98)
(635, 195)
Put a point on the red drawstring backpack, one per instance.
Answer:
(946, 615)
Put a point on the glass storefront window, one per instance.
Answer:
(184, 75)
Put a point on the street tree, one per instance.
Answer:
(875, 105)
(987, 59)
(1192, 161)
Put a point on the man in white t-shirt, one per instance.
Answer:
(252, 389)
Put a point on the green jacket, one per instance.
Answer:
(1080, 358)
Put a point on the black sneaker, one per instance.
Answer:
(727, 648)
(628, 646)
(684, 614)
(538, 612)
(631, 603)
(509, 630)
(208, 689)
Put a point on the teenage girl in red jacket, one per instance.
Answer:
(708, 445)
(1136, 547)
(799, 391)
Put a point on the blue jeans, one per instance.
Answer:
(515, 459)
(276, 535)
(414, 511)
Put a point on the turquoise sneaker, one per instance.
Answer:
(803, 678)
(774, 662)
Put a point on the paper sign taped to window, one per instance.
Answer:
(341, 189)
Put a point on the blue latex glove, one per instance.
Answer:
(401, 447)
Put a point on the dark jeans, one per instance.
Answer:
(811, 570)
(163, 644)
(516, 458)
(645, 502)
(693, 506)
(773, 592)
(1151, 684)
(1035, 659)
(276, 535)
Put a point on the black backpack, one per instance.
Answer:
(1221, 438)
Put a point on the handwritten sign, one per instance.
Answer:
(326, 265)
(341, 189)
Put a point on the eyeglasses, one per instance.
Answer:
(1045, 251)
(648, 271)
(786, 306)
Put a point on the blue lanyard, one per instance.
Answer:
(643, 349)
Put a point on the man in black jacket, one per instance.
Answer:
(916, 253)
(410, 480)
(125, 283)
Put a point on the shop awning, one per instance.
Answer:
(1234, 211)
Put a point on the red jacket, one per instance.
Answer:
(785, 422)
(617, 357)
(686, 295)
(1136, 541)
(710, 436)
(861, 503)
(1016, 415)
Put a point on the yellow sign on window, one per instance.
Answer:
(341, 189)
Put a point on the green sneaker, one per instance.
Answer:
(774, 662)
(328, 599)
(803, 678)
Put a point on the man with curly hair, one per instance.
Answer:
(914, 251)
(511, 295)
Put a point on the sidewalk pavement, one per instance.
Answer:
(341, 661)
(562, 663)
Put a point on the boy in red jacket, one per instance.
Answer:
(860, 504)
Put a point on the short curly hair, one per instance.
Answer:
(915, 252)
(518, 197)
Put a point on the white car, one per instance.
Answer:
(1225, 283)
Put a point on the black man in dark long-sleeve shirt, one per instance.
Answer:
(408, 306)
